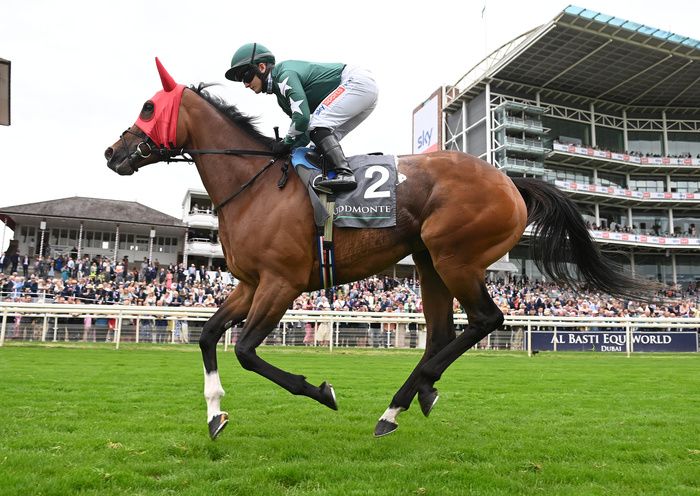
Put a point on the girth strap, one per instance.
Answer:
(326, 255)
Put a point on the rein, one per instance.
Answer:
(172, 154)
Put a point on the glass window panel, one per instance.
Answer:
(645, 142)
(568, 131)
(609, 139)
(683, 144)
(609, 179)
(686, 224)
(687, 268)
(655, 267)
(652, 184)
(613, 218)
(685, 185)
(654, 223)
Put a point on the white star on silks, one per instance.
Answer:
(283, 86)
(295, 106)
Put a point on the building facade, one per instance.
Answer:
(94, 227)
(606, 109)
(201, 244)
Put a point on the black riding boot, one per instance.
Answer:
(334, 160)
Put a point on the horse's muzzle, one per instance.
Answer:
(123, 168)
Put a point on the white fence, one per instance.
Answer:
(117, 324)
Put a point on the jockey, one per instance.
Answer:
(324, 100)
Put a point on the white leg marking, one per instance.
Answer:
(213, 391)
(391, 413)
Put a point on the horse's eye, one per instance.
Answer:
(147, 111)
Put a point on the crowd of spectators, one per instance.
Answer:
(633, 153)
(102, 281)
(656, 230)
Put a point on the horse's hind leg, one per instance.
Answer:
(437, 307)
(233, 310)
(270, 303)
(484, 317)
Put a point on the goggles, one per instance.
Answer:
(246, 74)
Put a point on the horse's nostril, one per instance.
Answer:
(108, 153)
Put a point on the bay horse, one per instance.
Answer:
(456, 214)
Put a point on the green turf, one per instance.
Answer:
(99, 421)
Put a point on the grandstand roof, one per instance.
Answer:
(94, 209)
(585, 55)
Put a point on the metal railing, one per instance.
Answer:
(137, 324)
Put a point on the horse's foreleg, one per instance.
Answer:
(437, 307)
(233, 310)
(269, 306)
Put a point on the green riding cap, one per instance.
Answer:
(246, 56)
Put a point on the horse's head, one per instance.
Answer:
(153, 131)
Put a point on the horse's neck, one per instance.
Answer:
(208, 129)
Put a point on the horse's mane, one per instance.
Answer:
(247, 123)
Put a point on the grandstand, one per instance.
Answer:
(609, 111)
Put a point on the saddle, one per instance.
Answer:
(371, 205)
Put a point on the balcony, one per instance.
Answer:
(619, 196)
(517, 124)
(524, 146)
(642, 242)
(511, 164)
(621, 162)
(204, 247)
(206, 219)
(521, 107)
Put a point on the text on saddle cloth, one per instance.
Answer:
(371, 205)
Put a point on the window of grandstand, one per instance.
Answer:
(684, 185)
(577, 176)
(653, 222)
(613, 218)
(689, 266)
(683, 144)
(609, 139)
(653, 184)
(645, 142)
(686, 223)
(653, 267)
(568, 132)
(610, 179)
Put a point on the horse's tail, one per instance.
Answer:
(560, 238)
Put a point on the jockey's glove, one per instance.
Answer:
(280, 148)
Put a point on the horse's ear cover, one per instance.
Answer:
(169, 83)
(162, 126)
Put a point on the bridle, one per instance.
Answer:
(147, 148)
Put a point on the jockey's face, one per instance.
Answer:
(256, 84)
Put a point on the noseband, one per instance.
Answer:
(142, 150)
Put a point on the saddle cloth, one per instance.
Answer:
(371, 205)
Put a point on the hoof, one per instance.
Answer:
(328, 396)
(384, 427)
(427, 401)
(217, 424)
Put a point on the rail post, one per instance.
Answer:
(3, 329)
(45, 328)
(118, 331)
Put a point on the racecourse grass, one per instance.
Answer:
(94, 420)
